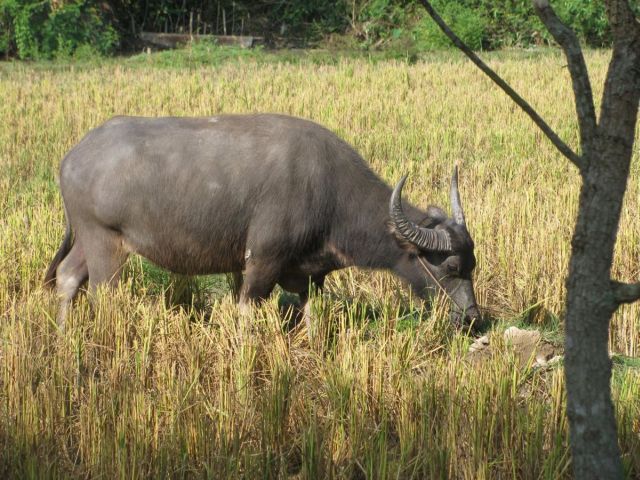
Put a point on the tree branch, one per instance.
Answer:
(542, 125)
(568, 40)
(622, 19)
(625, 292)
(621, 96)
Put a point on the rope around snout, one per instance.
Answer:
(433, 277)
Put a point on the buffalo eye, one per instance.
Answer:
(453, 267)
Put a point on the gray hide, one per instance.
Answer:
(280, 198)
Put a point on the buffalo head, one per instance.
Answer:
(438, 253)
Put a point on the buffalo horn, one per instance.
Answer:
(456, 204)
(424, 238)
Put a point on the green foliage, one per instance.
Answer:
(75, 25)
(310, 19)
(514, 22)
(479, 23)
(587, 18)
(33, 29)
(509, 23)
(468, 24)
(378, 20)
(24, 17)
(195, 55)
(46, 29)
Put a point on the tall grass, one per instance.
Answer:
(136, 388)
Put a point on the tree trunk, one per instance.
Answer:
(592, 297)
(590, 304)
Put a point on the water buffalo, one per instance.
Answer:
(282, 199)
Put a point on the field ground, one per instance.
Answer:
(139, 387)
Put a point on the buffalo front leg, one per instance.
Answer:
(234, 280)
(258, 283)
(305, 304)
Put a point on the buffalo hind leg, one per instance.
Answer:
(105, 258)
(71, 274)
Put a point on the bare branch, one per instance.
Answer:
(522, 103)
(625, 292)
(568, 40)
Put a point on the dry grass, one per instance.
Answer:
(135, 389)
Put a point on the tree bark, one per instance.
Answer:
(590, 305)
(592, 297)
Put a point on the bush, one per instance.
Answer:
(49, 29)
(309, 19)
(378, 20)
(588, 19)
(510, 23)
(489, 24)
(514, 22)
(57, 28)
(468, 24)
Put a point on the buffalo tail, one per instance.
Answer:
(67, 243)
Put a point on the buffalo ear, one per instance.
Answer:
(435, 215)
(405, 244)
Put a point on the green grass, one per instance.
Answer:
(137, 387)
(208, 54)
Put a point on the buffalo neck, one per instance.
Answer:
(364, 235)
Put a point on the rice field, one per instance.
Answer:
(160, 379)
